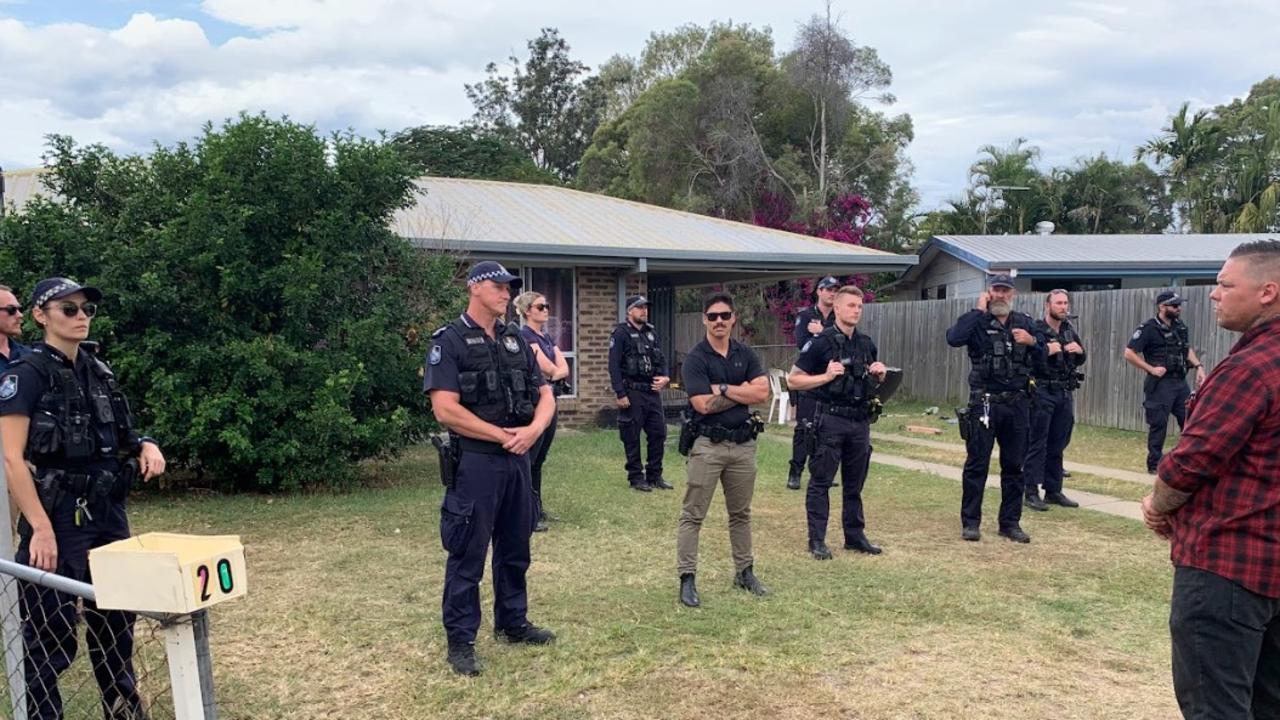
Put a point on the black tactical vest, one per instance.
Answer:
(71, 427)
(640, 358)
(1001, 361)
(851, 387)
(1062, 366)
(1176, 345)
(494, 381)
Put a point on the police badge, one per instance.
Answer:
(510, 344)
(9, 387)
(435, 355)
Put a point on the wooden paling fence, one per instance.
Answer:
(912, 335)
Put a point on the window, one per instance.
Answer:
(924, 293)
(558, 286)
(1044, 285)
(942, 292)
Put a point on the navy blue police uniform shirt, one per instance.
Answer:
(447, 350)
(533, 337)
(16, 352)
(619, 341)
(704, 367)
(815, 354)
(802, 334)
(22, 385)
(1148, 340)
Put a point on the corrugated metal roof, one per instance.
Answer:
(486, 215)
(1032, 251)
(22, 185)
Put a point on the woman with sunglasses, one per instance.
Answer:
(61, 411)
(535, 312)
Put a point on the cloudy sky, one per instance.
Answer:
(1075, 78)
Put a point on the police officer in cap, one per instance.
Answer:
(810, 322)
(1161, 348)
(61, 410)
(638, 373)
(485, 387)
(1003, 353)
(1053, 412)
(834, 367)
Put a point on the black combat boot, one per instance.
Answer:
(688, 591)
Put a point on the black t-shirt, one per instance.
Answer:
(807, 315)
(705, 368)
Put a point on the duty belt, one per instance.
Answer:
(852, 412)
(1007, 396)
(719, 433)
(638, 384)
(484, 447)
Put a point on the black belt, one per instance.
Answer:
(1054, 384)
(484, 447)
(719, 433)
(852, 412)
(638, 385)
(1006, 396)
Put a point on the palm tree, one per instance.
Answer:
(1004, 180)
(1186, 150)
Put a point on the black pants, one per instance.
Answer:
(843, 444)
(49, 617)
(806, 406)
(1226, 648)
(491, 503)
(1009, 423)
(1162, 397)
(538, 456)
(1052, 418)
(644, 414)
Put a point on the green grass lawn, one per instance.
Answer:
(342, 619)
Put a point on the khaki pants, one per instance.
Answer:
(733, 464)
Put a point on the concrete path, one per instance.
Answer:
(1095, 470)
(1088, 501)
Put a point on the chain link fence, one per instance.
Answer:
(65, 658)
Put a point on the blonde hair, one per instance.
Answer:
(525, 300)
(850, 290)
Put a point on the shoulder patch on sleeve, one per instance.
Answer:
(1137, 334)
(611, 340)
(435, 355)
(9, 387)
(806, 347)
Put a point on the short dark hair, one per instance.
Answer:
(1257, 247)
(717, 297)
(1263, 257)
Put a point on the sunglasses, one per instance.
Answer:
(727, 315)
(71, 309)
(540, 306)
(11, 309)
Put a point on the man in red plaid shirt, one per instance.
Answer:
(1217, 500)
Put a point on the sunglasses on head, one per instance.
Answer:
(11, 309)
(540, 306)
(71, 309)
(726, 315)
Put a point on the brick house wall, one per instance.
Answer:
(597, 300)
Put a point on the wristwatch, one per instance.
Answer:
(724, 388)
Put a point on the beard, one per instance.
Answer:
(1000, 308)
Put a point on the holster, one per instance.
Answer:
(810, 430)
(963, 420)
(688, 433)
(123, 483)
(450, 452)
(49, 489)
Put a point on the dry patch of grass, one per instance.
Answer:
(342, 618)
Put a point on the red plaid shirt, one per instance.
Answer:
(1229, 459)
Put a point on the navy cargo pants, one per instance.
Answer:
(1052, 419)
(644, 414)
(491, 501)
(806, 406)
(49, 618)
(844, 444)
(1008, 426)
(1162, 397)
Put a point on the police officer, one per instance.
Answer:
(638, 373)
(723, 378)
(1161, 348)
(61, 410)
(10, 329)
(835, 367)
(485, 387)
(1052, 413)
(810, 322)
(535, 312)
(1003, 353)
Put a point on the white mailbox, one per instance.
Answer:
(168, 573)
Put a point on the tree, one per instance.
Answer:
(1005, 180)
(259, 312)
(542, 107)
(833, 72)
(463, 152)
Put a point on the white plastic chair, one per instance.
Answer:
(781, 399)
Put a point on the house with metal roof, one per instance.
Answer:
(958, 265)
(587, 252)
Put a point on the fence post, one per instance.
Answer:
(14, 651)
(200, 628)
(184, 668)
